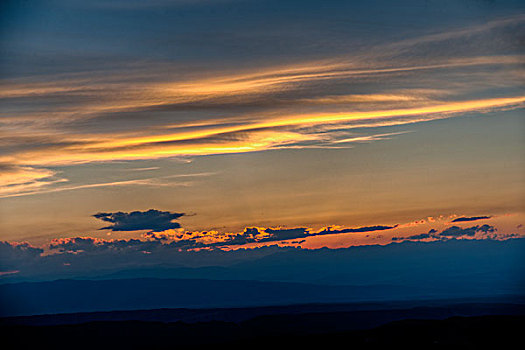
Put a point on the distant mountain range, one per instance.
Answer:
(497, 266)
(493, 266)
(65, 296)
(70, 296)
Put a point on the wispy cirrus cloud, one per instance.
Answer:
(46, 186)
(15, 179)
(173, 237)
(99, 116)
(264, 135)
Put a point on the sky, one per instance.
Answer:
(224, 124)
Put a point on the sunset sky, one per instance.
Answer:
(224, 123)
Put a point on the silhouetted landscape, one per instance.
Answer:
(453, 295)
(318, 329)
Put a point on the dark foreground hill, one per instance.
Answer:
(356, 315)
(280, 331)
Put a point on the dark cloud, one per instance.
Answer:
(329, 231)
(430, 234)
(13, 254)
(89, 244)
(472, 218)
(249, 235)
(421, 236)
(298, 242)
(253, 235)
(257, 235)
(152, 220)
(285, 234)
(455, 231)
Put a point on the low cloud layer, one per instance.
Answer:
(213, 240)
(164, 242)
(210, 239)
